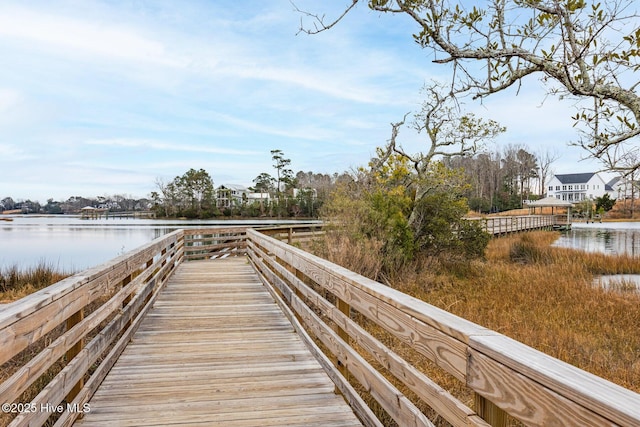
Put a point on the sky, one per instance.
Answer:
(109, 97)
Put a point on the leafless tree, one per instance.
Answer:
(545, 159)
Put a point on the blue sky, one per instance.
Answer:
(107, 97)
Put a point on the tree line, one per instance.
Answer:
(496, 181)
(73, 205)
(281, 193)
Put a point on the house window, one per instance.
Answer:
(551, 188)
(564, 188)
(570, 187)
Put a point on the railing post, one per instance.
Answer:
(126, 301)
(290, 236)
(345, 309)
(148, 266)
(488, 411)
(74, 350)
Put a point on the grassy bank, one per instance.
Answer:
(537, 294)
(16, 282)
(544, 297)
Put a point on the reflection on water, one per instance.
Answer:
(619, 282)
(608, 238)
(74, 244)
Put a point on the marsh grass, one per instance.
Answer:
(549, 302)
(16, 282)
(532, 292)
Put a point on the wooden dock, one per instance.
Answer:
(271, 335)
(217, 350)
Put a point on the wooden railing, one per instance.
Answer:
(208, 243)
(497, 225)
(506, 376)
(294, 233)
(67, 337)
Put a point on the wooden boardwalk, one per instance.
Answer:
(217, 350)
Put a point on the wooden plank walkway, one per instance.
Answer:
(217, 350)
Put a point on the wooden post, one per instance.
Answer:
(73, 352)
(290, 236)
(488, 411)
(345, 309)
(126, 301)
(148, 266)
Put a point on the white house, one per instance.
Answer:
(624, 188)
(232, 195)
(229, 195)
(258, 197)
(575, 187)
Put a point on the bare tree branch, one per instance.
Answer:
(590, 48)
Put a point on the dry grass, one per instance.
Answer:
(537, 294)
(549, 303)
(544, 297)
(16, 282)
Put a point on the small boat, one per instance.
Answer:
(6, 219)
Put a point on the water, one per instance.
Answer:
(619, 282)
(73, 244)
(612, 238)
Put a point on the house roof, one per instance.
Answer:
(614, 181)
(575, 178)
(235, 187)
(550, 202)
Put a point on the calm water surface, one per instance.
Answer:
(611, 238)
(74, 244)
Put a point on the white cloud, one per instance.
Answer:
(166, 146)
(11, 153)
(9, 99)
(73, 36)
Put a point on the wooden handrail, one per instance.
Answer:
(498, 225)
(62, 319)
(531, 386)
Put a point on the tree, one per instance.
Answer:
(527, 169)
(545, 159)
(190, 195)
(604, 203)
(197, 191)
(585, 50)
(52, 207)
(448, 133)
(417, 200)
(500, 179)
(7, 203)
(263, 183)
(284, 178)
(284, 175)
